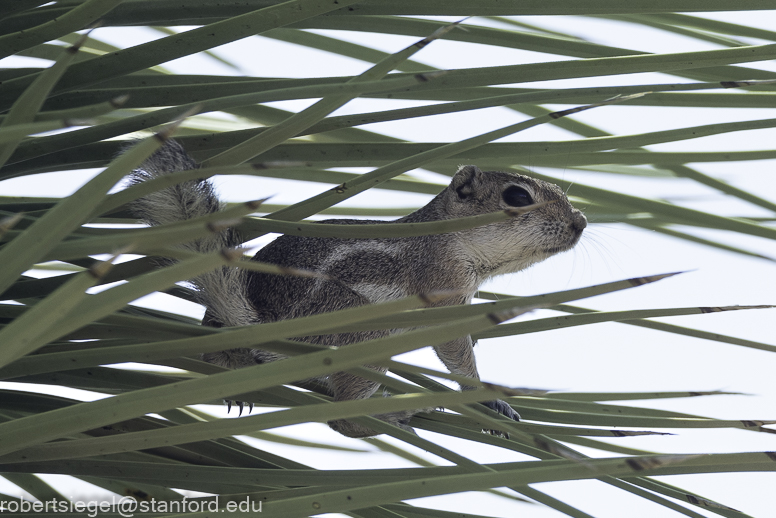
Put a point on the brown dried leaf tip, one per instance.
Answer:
(716, 393)
(559, 450)
(758, 425)
(438, 296)
(739, 84)
(118, 102)
(428, 76)
(704, 502)
(165, 133)
(255, 204)
(439, 33)
(718, 309)
(640, 281)
(612, 100)
(642, 463)
(68, 123)
(232, 254)
(503, 316)
(9, 222)
(101, 268)
(273, 164)
(223, 224)
(514, 391)
(622, 433)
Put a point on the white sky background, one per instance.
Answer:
(604, 357)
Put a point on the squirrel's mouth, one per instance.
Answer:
(563, 248)
(557, 249)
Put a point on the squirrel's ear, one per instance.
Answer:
(466, 181)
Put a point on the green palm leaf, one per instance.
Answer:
(72, 328)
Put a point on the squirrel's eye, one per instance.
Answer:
(516, 196)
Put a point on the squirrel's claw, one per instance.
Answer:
(240, 405)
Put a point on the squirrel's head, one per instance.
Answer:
(523, 240)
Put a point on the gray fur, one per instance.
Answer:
(362, 271)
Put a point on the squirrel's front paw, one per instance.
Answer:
(239, 404)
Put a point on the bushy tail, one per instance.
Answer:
(186, 200)
(221, 291)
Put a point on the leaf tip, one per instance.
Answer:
(640, 281)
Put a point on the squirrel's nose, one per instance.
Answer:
(578, 221)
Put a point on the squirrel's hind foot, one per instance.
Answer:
(504, 409)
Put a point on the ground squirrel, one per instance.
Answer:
(362, 271)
